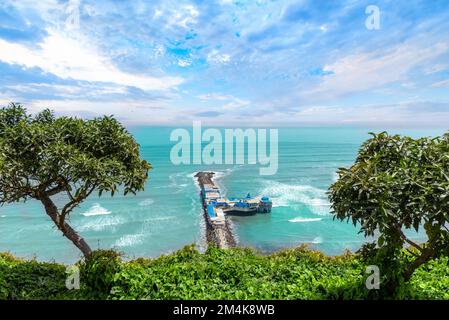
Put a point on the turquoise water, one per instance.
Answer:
(167, 215)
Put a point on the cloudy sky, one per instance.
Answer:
(229, 62)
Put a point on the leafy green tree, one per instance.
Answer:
(397, 183)
(44, 156)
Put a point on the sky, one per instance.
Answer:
(229, 62)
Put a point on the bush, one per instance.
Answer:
(216, 274)
(30, 279)
(97, 273)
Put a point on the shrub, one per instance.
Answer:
(216, 274)
(98, 272)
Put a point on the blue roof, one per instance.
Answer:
(210, 210)
(241, 204)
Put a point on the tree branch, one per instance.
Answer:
(410, 242)
(76, 201)
(425, 256)
(69, 194)
(412, 253)
(55, 190)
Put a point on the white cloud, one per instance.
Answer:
(42, 6)
(219, 58)
(118, 107)
(215, 96)
(236, 104)
(225, 2)
(323, 27)
(158, 13)
(441, 84)
(38, 87)
(5, 102)
(67, 91)
(90, 10)
(179, 16)
(128, 111)
(365, 71)
(419, 113)
(232, 102)
(68, 58)
(187, 17)
(436, 68)
(184, 62)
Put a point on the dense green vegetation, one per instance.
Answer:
(216, 274)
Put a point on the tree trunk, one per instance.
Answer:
(425, 256)
(67, 230)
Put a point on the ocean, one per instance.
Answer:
(167, 215)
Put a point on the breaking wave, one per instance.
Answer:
(335, 176)
(299, 219)
(101, 223)
(96, 210)
(317, 240)
(146, 202)
(129, 240)
(286, 195)
(221, 174)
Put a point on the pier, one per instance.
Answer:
(218, 229)
(216, 210)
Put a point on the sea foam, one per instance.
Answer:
(317, 240)
(146, 202)
(96, 210)
(286, 195)
(129, 240)
(101, 223)
(300, 219)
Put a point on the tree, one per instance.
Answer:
(398, 183)
(44, 156)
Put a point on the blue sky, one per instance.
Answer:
(229, 62)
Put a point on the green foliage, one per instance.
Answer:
(431, 281)
(31, 279)
(216, 274)
(45, 153)
(397, 183)
(98, 272)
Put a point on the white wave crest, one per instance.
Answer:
(146, 202)
(129, 240)
(101, 223)
(179, 181)
(96, 210)
(221, 174)
(317, 240)
(285, 195)
(300, 219)
(335, 176)
(161, 218)
(191, 175)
